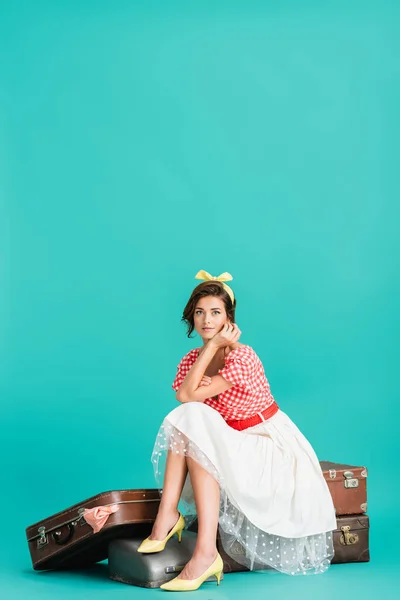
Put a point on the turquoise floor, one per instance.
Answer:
(342, 581)
(378, 579)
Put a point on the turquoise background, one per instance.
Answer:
(141, 142)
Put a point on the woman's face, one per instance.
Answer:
(209, 317)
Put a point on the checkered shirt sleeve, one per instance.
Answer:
(237, 370)
(183, 368)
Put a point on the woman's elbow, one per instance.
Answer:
(181, 396)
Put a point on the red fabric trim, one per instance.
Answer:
(254, 420)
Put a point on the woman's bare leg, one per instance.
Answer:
(174, 479)
(206, 495)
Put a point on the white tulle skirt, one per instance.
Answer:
(275, 509)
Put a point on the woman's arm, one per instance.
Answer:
(190, 390)
(217, 386)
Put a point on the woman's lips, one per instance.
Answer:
(208, 328)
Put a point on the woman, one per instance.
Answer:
(251, 471)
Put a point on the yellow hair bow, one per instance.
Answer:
(222, 278)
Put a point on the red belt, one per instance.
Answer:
(256, 419)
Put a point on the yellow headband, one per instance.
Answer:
(223, 277)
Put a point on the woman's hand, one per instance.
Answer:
(205, 380)
(229, 334)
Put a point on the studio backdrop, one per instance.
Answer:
(141, 142)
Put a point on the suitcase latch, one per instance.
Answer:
(347, 538)
(350, 480)
(43, 540)
(174, 569)
(80, 518)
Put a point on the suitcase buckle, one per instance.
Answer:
(43, 539)
(350, 480)
(347, 538)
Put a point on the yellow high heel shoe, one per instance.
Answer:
(149, 546)
(188, 585)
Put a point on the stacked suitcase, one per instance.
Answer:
(348, 487)
(69, 539)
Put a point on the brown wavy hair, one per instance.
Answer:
(208, 288)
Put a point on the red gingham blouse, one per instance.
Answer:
(250, 392)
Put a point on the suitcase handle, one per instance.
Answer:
(57, 536)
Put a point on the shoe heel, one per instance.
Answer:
(218, 576)
(179, 534)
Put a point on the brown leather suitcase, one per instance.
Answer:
(350, 543)
(348, 487)
(351, 539)
(66, 540)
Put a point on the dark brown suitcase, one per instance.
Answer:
(65, 540)
(351, 539)
(350, 544)
(348, 487)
